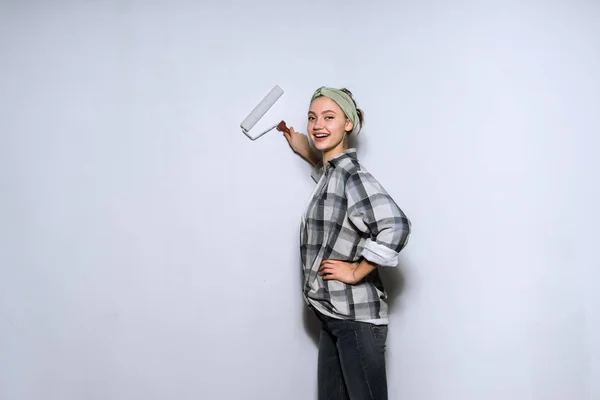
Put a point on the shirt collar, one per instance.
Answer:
(346, 154)
(318, 170)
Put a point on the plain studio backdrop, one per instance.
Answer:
(149, 250)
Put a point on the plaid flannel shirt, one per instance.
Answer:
(349, 217)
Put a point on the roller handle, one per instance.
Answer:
(282, 127)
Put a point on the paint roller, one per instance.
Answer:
(260, 110)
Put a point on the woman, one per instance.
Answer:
(350, 227)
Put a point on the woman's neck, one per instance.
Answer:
(333, 153)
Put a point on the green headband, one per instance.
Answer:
(343, 100)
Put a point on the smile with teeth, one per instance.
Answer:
(321, 135)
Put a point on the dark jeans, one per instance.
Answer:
(351, 360)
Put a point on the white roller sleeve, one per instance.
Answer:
(262, 108)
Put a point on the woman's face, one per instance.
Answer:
(327, 124)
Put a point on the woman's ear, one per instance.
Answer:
(349, 126)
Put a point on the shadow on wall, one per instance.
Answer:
(394, 283)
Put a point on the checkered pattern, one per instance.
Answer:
(349, 217)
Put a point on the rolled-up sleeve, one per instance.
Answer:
(374, 213)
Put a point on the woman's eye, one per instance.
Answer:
(311, 118)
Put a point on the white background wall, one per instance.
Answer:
(149, 250)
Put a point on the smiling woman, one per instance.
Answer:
(350, 227)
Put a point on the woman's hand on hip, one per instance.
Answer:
(339, 270)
